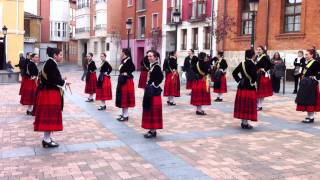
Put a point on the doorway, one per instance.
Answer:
(140, 56)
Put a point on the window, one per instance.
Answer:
(246, 19)
(27, 28)
(95, 47)
(207, 37)
(103, 45)
(155, 21)
(58, 29)
(142, 27)
(130, 2)
(141, 5)
(292, 16)
(184, 39)
(83, 3)
(64, 30)
(107, 47)
(195, 38)
(100, 1)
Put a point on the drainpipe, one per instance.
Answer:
(267, 25)
(224, 14)
(17, 18)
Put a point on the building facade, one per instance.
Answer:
(55, 25)
(12, 16)
(98, 29)
(146, 32)
(281, 25)
(194, 28)
(32, 29)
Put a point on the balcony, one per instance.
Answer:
(101, 30)
(198, 11)
(82, 33)
(170, 11)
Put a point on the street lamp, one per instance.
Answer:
(176, 20)
(129, 27)
(253, 5)
(4, 32)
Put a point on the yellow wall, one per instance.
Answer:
(13, 18)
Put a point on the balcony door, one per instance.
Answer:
(2, 57)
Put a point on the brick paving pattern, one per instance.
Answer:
(213, 146)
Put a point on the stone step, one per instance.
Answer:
(6, 77)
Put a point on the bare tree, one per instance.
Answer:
(116, 40)
(222, 27)
(156, 39)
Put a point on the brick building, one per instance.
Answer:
(98, 28)
(146, 16)
(194, 27)
(281, 25)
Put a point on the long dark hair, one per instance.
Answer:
(202, 56)
(249, 54)
(53, 51)
(274, 56)
(313, 52)
(172, 53)
(127, 52)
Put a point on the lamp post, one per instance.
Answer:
(129, 27)
(4, 32)
(176, 20)
(253, 4)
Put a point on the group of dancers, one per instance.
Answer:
(44, 89)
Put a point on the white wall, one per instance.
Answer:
(59, 10)
(31, 6)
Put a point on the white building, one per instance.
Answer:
(194, 27)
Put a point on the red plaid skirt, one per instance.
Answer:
(29, 92)
(264, 87)
(91, 84)
(22, 84)
(48, 113)
(152, 118)
(315, 108)
(104, 93)
(143, 79)
(172, 85)
(189, 84)
(127, 94)
(223, 86)
(200, 95)
(245, 105)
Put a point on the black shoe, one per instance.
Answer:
(172, 104)
(246, 126)
(308, 121)
(123, 119)
(150, 134)
(51, 144)
(29, 113)
(200, 113)
(259, 109)
(101, 108)
(218, 100)
(89, 100)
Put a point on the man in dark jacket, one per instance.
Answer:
(22, 62)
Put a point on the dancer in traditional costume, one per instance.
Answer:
(30, 83)
(189, 61)
(220, 80)
(200, 95)
(245, 106)
(172, 82)
(264, 84)
(308, 96)
(48, 113)
(125, 95)
(104, 88)
(91, 78)
(145, 67)
(152, 103)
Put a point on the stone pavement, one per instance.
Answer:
(96, 146)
